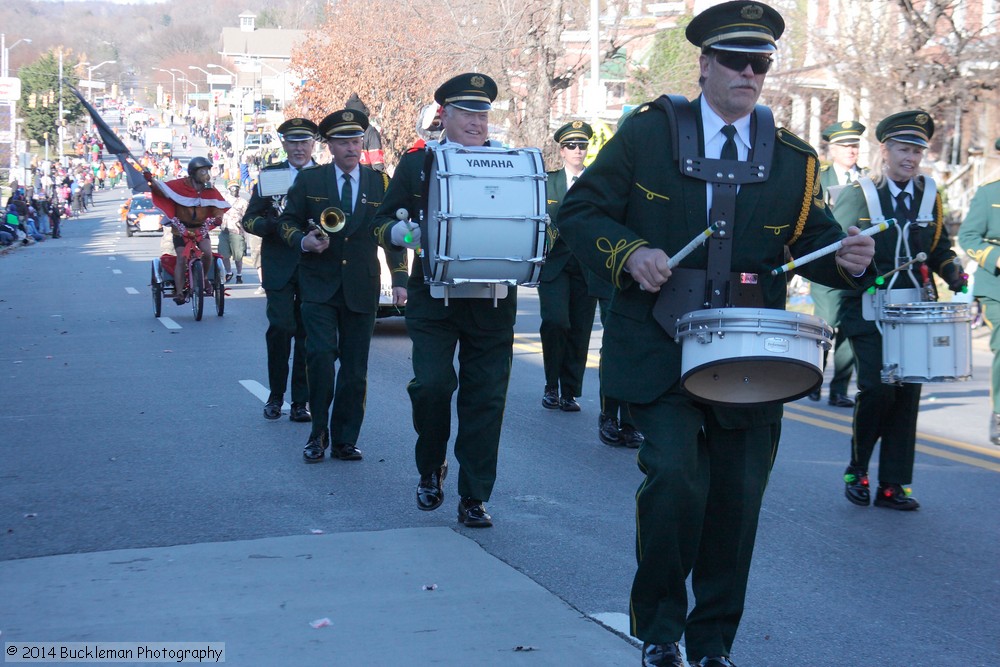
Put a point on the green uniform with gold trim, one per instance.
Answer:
(706, 467)
(484, 337)
(279, 271)
(340, 290)
(566, 307)
(887, 412)
(979, 236)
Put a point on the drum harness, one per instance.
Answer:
(905, 251)
(716, 287)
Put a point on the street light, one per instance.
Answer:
(238, 125)
(90, 76)
(211, 93)
(173, 85)
(280, 73)
(5, 52)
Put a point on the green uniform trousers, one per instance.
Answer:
(567, 313)
(284, 321)
(991, 315)
(883, 411)
(611, 407)
(335, 333)
(696, 514)
(843, 363)
(484, 359)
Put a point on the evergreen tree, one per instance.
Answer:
(41, 80)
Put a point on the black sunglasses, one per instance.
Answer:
(578, 145)
(737, 61)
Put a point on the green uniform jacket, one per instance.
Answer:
(278, 262)
(407, 191)
(557, 253)
(979, 236)
(852, 209)
(827, 300)
(634, 195)
(351, 261)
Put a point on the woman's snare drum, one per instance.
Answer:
(485, 224)
(926, 342)
(745, 356)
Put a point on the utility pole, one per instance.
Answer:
(59, 121)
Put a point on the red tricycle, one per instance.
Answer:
(199, 285)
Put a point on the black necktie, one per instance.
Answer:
(902, 210)
(729, 148)
(346, 195)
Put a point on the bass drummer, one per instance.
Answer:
(888, 412)
(483, 331)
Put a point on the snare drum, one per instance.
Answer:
(926, 342)
(485, 223)
(743, 356)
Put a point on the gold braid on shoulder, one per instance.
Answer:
(938, 220)
(807, 197)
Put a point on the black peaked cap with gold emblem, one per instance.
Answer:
(844, 132)
(737, 26)
(574, 131)
(910, 127)
(471, 91)
(297, 129)
(344, 124)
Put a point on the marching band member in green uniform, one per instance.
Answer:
(279, 266)
(844, 140)
(567, 310)
(979, 236)
(888, 412)
(339, 278)
(705, 467)
(482, 332)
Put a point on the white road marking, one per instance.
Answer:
(261, 392)
(116, 270)
(168, 323)
(131, 290)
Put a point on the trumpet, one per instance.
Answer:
(331, 221)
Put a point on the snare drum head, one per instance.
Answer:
(746, 381)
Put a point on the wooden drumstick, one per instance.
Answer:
(694, 243)
(833, 247)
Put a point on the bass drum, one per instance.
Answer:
(485, 223)
(747, 356)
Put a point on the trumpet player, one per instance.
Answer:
(279, 277)
(327, 219)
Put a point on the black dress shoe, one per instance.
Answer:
(550, 399)
(569, 404)
(345, 451)
(608, 430)
(299, 413)
(472, 513)
(272, 409)
(814, 396)
(430, 495)
(717, 661)
(895, 497)
(315, 448)
(857, 489)
(840, 401)
(631, 438)
(661, 655)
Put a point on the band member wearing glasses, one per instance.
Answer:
(567, 310)
(706, 467)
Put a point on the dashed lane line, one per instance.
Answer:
(131, 290)
(261, 392)
(168, 323)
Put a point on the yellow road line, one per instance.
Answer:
(525, 344)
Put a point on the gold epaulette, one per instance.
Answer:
(801, 145)
(825, 166)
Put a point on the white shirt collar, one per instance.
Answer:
(712, 125)
(895, 189)
(355, 173)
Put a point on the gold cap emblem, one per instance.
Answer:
(577, 124)
(751, 12)
(296, 121)
(846, 125)
(477, 81)
(921, 119)
(348, 116)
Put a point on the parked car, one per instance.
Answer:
(140, 215)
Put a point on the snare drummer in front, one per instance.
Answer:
(482, 332)
(888, 412)
(705, 467)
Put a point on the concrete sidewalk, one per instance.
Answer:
(260, 596)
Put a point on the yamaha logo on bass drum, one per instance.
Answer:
(490, 163)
